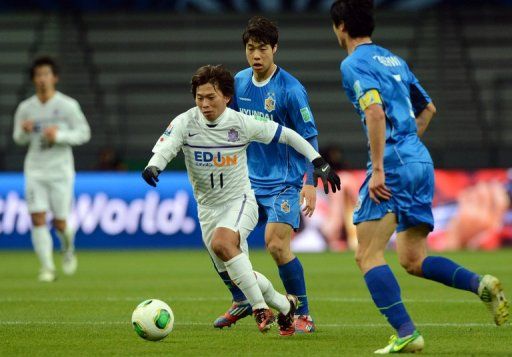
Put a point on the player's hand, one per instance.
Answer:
(50, 134)
(27, 126)
(150, 175)
(327, 174)
(308, 197)
(377, 187)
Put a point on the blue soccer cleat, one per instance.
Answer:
(236, 312)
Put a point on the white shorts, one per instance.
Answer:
(49, 195)
(240, 215)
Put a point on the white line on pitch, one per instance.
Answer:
(170, 299)
(338, 325)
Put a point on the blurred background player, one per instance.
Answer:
(50, 123)
(269, 93)
(398, 191)
(214, 140)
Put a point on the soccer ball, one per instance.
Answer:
(153, 319)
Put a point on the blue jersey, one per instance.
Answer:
(284, 100)
(373, 67)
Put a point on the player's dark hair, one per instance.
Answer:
(261, 30)
(217, 75)
(44, 61)
(356, 15)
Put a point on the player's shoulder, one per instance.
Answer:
(66, 99)
(27, 102)
(358, 59)
(234, 115)
(288, 79)
(190, 115)
(66, 103)
(244, 75)
(289, 83)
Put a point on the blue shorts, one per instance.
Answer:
(412, 187)
(283, 207)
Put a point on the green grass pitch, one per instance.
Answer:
(89, 314)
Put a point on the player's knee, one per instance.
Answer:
(222, 249)
(277, 248)
(59, 225)
(358, 257)
(38, 220)
(411, 264)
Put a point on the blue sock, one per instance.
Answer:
(238, 295)
(292, 276)
(450, 273)
(385, 293)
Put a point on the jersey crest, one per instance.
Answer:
(233, 136)
(270, 102)
(285, 206)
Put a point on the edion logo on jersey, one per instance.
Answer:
(206, 158)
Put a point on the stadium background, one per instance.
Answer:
(129, 63)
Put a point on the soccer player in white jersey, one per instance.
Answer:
(50, 123)
(214, 139)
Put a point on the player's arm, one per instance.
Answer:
(422, 106)
(78, 133)
(165, 149)
(359, 79)
(22, 128)
(302, 120)
(375, 119)
(308, 192)
(423, 119)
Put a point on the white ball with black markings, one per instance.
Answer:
(152, 319)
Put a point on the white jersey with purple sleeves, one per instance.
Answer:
(44, 160)
(215, 151)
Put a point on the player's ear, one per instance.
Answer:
(274, 49)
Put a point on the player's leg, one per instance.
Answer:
(240, 307)
(67, 240)
(229, 244)
(36, 195)
(226, 245)
(373, 237)
(412, 253)
(43, 246)
(375, 225)
(415, 224)
(61, 196)
(283, 211)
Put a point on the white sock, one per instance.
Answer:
(240, 271)
(43, 246)
(67, 239)
(272, 297)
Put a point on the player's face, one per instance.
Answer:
(211, 101)
(260, 56)
(44, 79)
(340, 35)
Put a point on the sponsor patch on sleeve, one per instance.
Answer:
(168, 131)
(306, 114)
